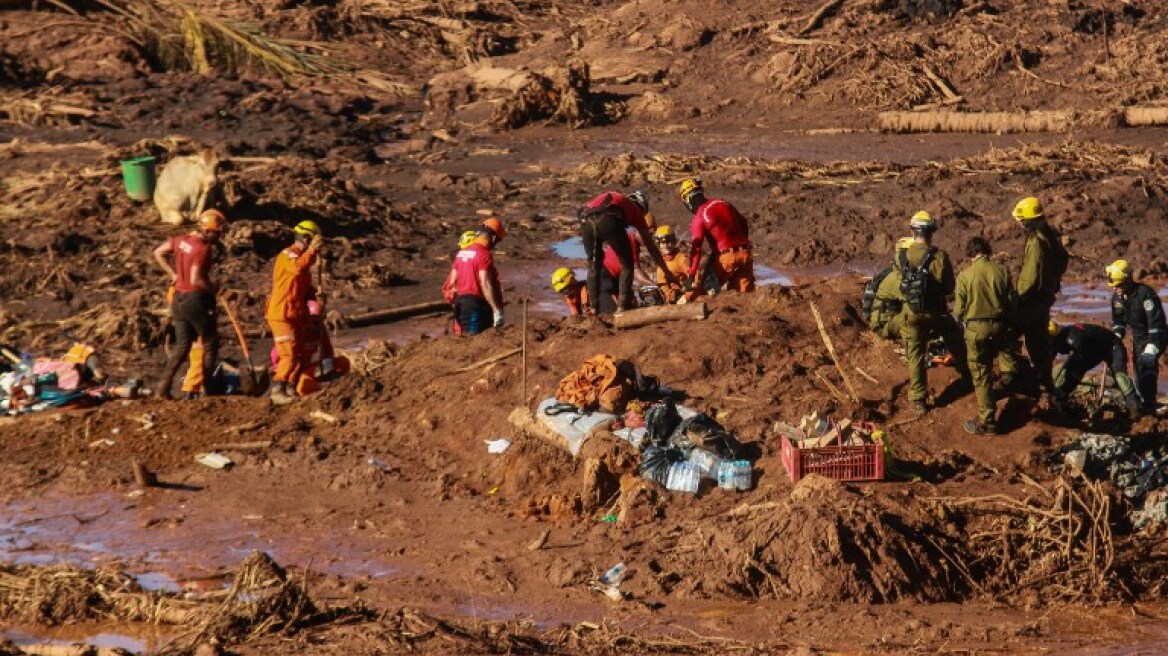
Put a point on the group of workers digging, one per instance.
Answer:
(613, 226)
(992, 318)
(294, 312)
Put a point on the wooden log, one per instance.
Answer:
(1141, 116)
(375, 317)
(992, 122)
(526, 421)
(658, 313)
(393, 314)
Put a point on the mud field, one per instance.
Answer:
(388, 528)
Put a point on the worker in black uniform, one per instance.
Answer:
(1135, 305)
(1086, 346)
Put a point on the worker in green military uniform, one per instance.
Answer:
(886, 302)
(926, 282)
(1044, 260)
(982, 301)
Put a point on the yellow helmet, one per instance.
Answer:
(467, 238)
(664, 233)
(1028, 209)
(922, 219)
(688, 187)
(1118, 272)
(904, 242)
(307, 228)
(562, 278)
(1052, 328)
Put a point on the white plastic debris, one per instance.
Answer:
(498, 446)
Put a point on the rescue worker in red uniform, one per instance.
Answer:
(193, 311)
(604, 221)
(478, 303)
(574, 292)
(719, 223)
(287, 311)
(449, 293)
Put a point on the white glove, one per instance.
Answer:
(326, 366)
(1151, 350)
(1119, 331)
(499, 319)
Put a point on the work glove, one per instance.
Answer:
(316, 243)
(1119, 331)
(326, 366)
(499, 319)
(1148, 357)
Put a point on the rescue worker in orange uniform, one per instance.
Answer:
(192, 313)
(287, 311)
(719, 223)
(675, 263)
(478, 304)
(575, 293)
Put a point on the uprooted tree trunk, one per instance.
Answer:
(562, 96)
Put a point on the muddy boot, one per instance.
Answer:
(1132, 403)
(975, 427)
(920, 407)
(279, 394)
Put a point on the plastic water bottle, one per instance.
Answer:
(683, 477)
(743, 477)
(706, 463)
(726, 480)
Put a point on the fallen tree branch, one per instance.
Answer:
(820, 14)
(486, 361)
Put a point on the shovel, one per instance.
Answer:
(247, 380)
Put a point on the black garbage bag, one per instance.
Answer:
(660, 422)
(656, 461)
(702, 432)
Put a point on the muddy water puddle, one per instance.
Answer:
(168, 551)
(131, 638)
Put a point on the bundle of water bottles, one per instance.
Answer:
(680, 453)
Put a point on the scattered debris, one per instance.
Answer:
(498, 446)
(214, 460)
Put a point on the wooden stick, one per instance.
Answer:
(831, 351)
(835, 391)
(816, 19)
(524, 347)
(865, 375)
(242, 446)
(950, 94)
(238, 331)
(142, 476)
(486, 361)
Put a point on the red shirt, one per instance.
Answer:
(610, 260)
(468, 263)
(717, 222)
(190, 250)
(634, 215)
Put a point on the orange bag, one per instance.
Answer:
(598, 383)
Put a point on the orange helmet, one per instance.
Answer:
(496, 226)
(212, 221)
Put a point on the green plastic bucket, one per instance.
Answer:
(138, 174)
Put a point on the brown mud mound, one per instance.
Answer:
(824, 542)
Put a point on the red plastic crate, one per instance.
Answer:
(843, 463)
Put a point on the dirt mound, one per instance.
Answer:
(823, 542)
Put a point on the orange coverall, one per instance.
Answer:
(287, 310)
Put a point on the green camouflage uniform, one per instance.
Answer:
(886, 307)
(1043, 262)
(916, 329)
(982, 302)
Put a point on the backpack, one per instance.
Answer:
(917, 284)
(870, 292)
